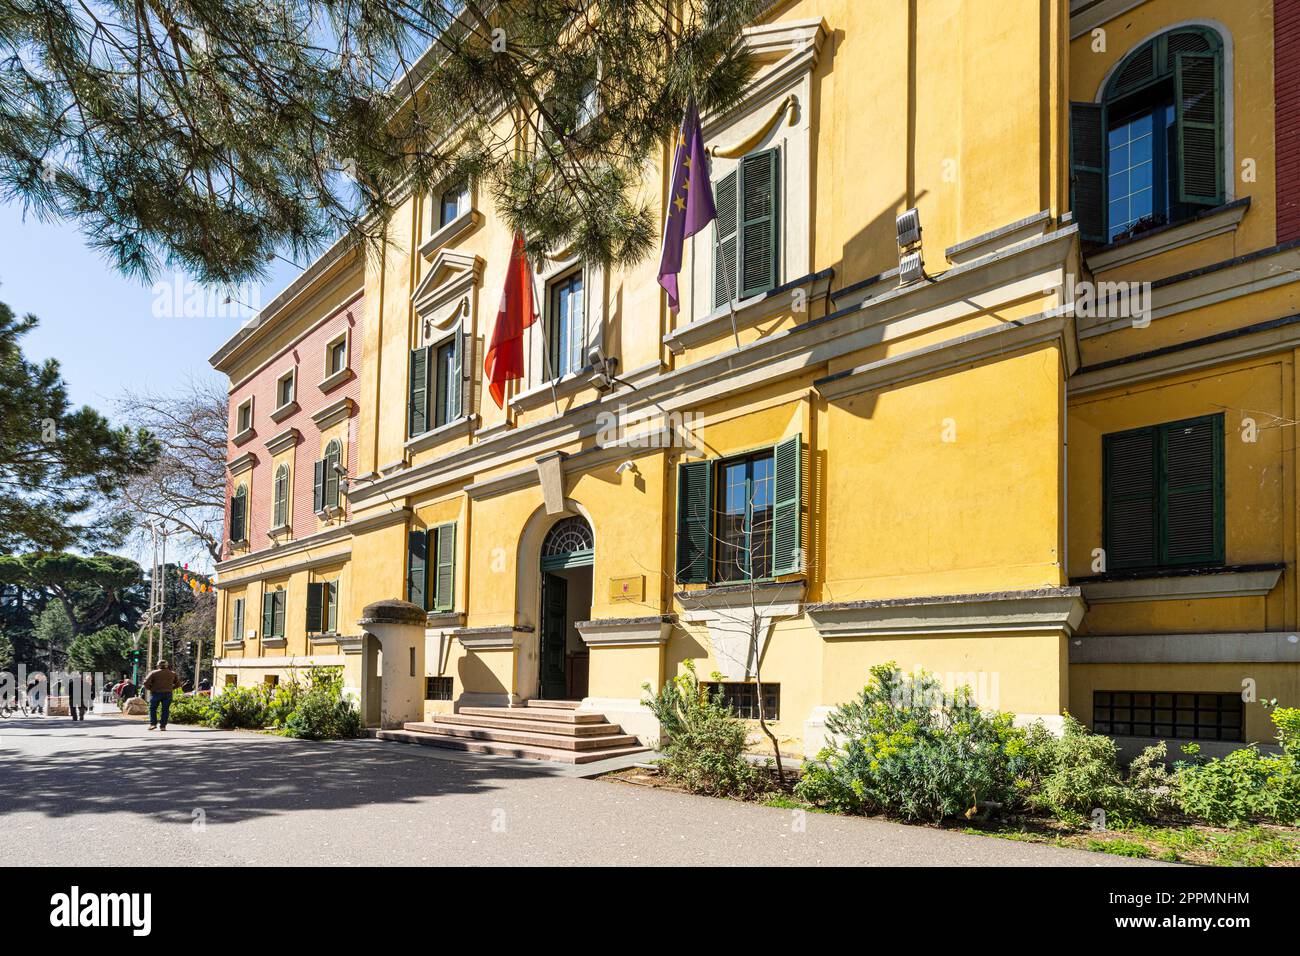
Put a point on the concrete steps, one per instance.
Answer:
(537, 730)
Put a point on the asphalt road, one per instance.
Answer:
(92, 793)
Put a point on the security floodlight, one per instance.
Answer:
(911, 267)
(909, 228)
(626, 466)
(604, 369)
(339, 469)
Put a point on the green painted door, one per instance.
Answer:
(555, 605)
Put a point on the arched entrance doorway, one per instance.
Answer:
(568, 552)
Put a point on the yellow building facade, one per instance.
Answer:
(826, 460)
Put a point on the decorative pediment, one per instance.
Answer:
(444, 295)
(784, 54)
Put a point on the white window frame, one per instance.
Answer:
(239, 414)
(334, 376)
(283, 409)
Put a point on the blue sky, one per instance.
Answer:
(100, 325)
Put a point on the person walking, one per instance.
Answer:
(77, 693)
(161, 683)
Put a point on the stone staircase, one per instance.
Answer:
(537, 730)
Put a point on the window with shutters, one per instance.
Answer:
(280, 498)
(1163, 495)
(1151, 152)
(244, 416)
(437, 385)
(239, 515)
(741, 518)
(322, 607)
(431, 567)
(565, 324)
(746, 250)
(273, 607)
(326, 478)
(236, 620)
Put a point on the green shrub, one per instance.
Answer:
(322, 715)
(1246, 784)
(905, 748)
(704, 742)
(1079, 772)
(281, 701)
(190, 709)
(239, 708)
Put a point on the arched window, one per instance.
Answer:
(327, 480)
(280, 498)
(239, 514)
(1151, 152)
(570, 544)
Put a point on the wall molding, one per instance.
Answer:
(1261, 647)
(1040, 609)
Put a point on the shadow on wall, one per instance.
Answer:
(233, 778)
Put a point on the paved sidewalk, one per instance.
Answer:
(86, 793)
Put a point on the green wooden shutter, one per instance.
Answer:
(1191, 512)
(237, 623)
(1198, 104)
(1088, 169)
(759, 221)
(315, 605)
(268, 613)
(694, 521)
(238, 516)
(456, 387)
(318, 486)
(331, 622)
(724, 247)
(417, 552)
(277, 623)
(330, 494)
(418, 400)
(444, 557)
(1130, 499)
(787, 507)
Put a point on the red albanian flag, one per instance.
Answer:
(505, 356)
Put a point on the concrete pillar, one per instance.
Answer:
(399, 628)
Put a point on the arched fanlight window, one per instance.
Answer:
(570, 544)
(1151, 152)
(280, 498)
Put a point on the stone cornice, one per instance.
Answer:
(1184, 587)
(318, 539)
(1260, 647)
(489, 638)
(717, 323)
(241, 464)
(1039, 609)
(650, 631)
(283, 441)
(333, 413)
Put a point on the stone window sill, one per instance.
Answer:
(1213, 222)
(274, 641)
(334, 380)
(539, 395)
(450, 232)
(434, 436)
(1181, 584)
(244, 437)
(284, 411)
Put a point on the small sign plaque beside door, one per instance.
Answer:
(627, 589)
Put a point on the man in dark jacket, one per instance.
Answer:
(161, 683)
